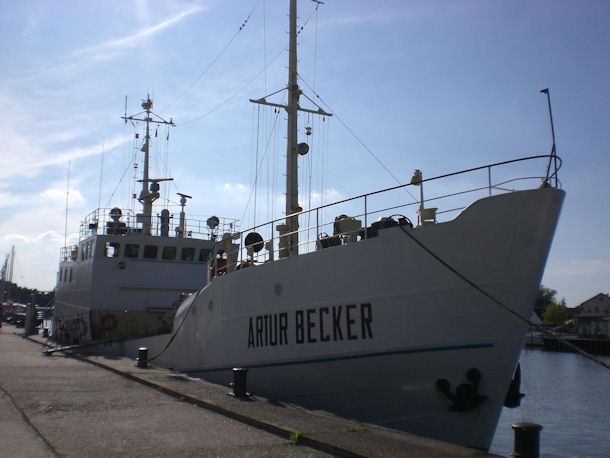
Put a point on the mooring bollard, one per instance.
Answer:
(240, 382)
(527, 440)
(142, 356)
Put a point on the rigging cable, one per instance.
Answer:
(123, 176)
(275, 165)
(307, 20)
(309, 168)
(167, 184)
(236, 93)
(201, 75)
(268, 184)
(500, 303)
(354, 135)
(265, 41)
(264, 70)
(257, 166)
(99, 196)
(315, 52)
(67, 201)
(258, 119)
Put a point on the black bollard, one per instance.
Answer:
(527, 440)
(142, 356)
(240, 382)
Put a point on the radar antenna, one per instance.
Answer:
(181, 230)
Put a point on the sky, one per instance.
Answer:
(433, 85)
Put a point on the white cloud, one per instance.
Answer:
(582, 268)
(8, 200)
(29, 157)
(115, 47)
(234, 187)
(44, 237)
(374, 16)
(329, 195)
(60, 194)
(130, 40)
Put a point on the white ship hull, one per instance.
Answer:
(366, 329)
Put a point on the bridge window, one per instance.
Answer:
(169, 252)
(112, 249)
(204, 255)
(131, 250)
(188, 254)
(150, 251)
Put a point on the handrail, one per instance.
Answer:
(400, 186)
(98, 221)
(320, 225)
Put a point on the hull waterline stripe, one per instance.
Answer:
(340, 358)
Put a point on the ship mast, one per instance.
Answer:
(293, 148)
(148, 194)
(292, 166)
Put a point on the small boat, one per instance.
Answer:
(351, 307)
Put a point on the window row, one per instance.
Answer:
(65, 274)
(170, 253)
(86, 252)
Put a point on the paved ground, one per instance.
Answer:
(96, 406)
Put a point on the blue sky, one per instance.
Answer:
(434, 85)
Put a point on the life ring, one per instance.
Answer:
(109, 322)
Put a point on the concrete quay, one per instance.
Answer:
(90, 405)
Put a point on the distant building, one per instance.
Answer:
(593, 316)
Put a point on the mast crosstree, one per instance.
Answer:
(293, 148)
(148, 194)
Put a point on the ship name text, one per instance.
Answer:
(312, 325)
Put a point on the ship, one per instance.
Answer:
(354, 309)
(129, 269)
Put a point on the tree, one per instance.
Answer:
(544, 298)
(556, 314)
(23, 295)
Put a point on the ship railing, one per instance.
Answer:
(101, 221)
(422, 201)
(69, 253)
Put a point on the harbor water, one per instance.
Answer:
(569, 396)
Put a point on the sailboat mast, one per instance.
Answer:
(292, 182)
(12, 265)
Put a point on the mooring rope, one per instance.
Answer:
(501, 304)
(171, 340)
